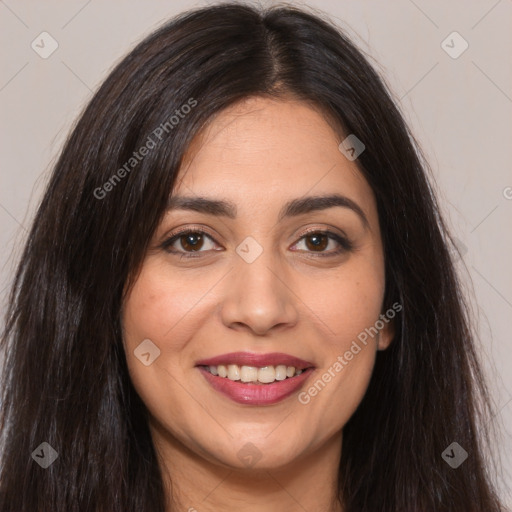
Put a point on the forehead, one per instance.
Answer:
(260, 150)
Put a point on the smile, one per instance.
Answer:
(257, 382)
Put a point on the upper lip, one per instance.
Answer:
(259, 360)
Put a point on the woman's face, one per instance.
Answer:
(261, 294)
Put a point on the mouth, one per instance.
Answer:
(256, 379)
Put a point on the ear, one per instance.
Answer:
(386, 335)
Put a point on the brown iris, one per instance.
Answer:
(192, 241)
(320, 241)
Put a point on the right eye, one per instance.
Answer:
(190, 240)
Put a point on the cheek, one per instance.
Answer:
(350, 301)
(349, 307)
(156, 310)
(160, 306)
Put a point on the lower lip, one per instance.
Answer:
(256, 394)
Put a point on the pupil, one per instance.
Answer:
(192, 241)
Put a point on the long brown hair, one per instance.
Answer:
(65, 378)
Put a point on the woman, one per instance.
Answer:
(237, 292)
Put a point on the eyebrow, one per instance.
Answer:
(293, 208)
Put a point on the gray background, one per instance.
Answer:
(459, 109)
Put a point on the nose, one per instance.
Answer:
(259, 297)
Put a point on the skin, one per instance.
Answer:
(258, 154)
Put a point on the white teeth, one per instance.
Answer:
(253, 374)
(233, 372)
(248, 373)
(267, 374)
(281, 372)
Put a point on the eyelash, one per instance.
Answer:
(344, 243)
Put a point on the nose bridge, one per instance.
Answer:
(257, 295)
(259, 275)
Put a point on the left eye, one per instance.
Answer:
(316, 241)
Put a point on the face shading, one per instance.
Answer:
(259, 280)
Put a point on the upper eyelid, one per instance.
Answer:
(204, 230)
